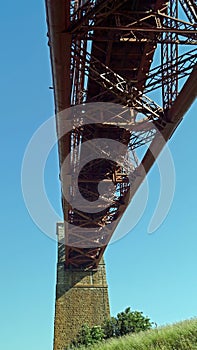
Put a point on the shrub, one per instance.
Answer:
(126, 322)
(131, 322)
(110, 328)
(87, 336)
(97, 334)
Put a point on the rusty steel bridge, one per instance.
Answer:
(103, 51)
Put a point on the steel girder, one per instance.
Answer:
(84, 72)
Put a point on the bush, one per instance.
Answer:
(126, 322)
(131, 322)
(97, 334)
(87, 336)
(84, 336)
(110, 328)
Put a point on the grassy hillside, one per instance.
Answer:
(180, 336)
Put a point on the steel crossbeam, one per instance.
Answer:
(183, 65)
(151, 22)
(121, 87)
(87, 13)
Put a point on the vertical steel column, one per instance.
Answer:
(169, 54)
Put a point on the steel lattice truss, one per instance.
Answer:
(103, 51)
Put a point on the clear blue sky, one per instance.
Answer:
(154, 273)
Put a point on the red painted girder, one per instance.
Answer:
(58, 19)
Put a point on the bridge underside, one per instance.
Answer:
(102, 51)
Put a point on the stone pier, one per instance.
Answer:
(81, 297)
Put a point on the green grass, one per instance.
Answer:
(180, 336)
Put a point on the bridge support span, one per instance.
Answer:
(81, 297)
